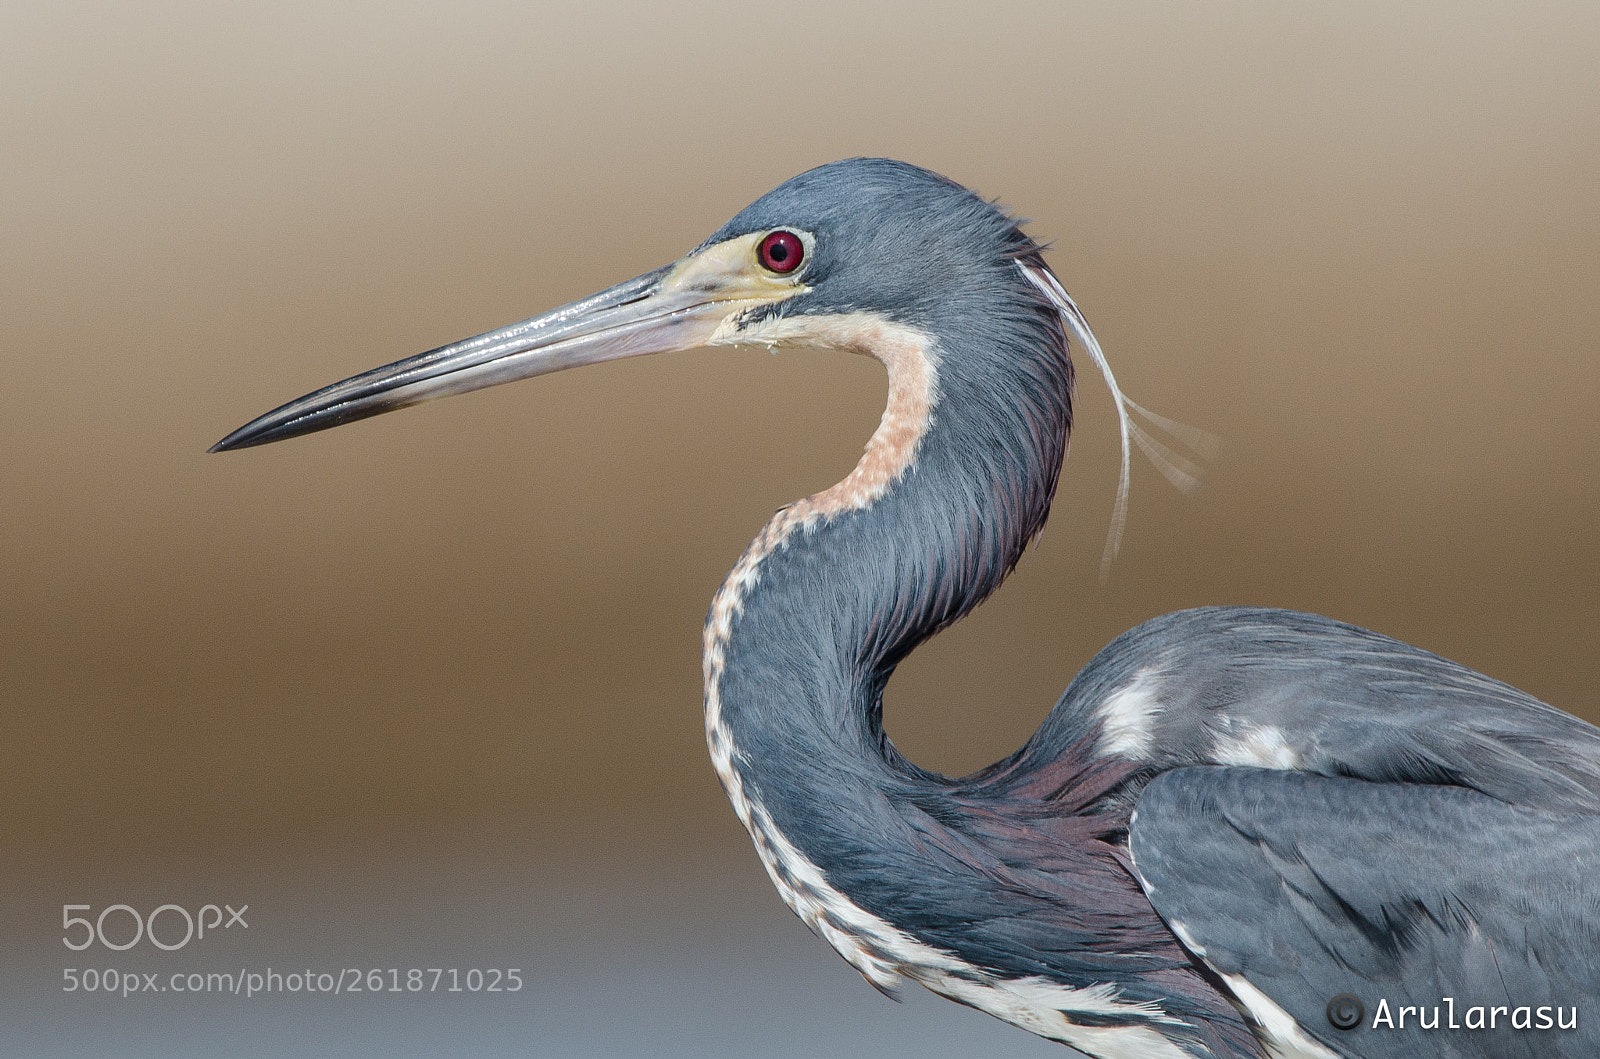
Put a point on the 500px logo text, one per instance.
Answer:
(127, 923)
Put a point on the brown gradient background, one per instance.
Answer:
(1359, 242)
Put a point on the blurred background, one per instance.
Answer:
(424, 691)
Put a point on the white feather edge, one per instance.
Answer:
(1176, 468)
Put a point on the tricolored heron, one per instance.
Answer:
(1236, 827)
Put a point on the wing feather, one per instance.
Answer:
(1308, 887)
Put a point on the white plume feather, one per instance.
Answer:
(1180, 470)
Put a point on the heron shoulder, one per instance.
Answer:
(1278, 689)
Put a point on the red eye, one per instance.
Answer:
(781, 251)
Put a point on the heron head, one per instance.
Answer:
(836, 257)
(890, 239)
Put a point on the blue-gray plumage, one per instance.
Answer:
(1231, 816)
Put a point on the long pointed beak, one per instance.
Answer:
(682, 306)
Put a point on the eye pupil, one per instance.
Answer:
(781, 251)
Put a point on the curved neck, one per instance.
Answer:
(840, 586)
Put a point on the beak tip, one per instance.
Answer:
(229, 443)
(246, 437)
